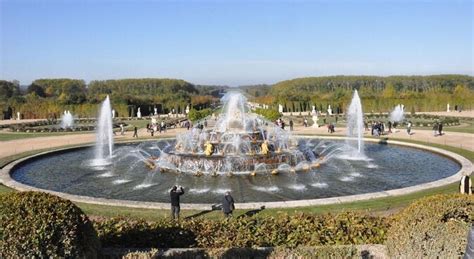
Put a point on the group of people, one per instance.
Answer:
(227, 202)
(156, 127)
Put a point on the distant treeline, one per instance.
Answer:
(379, 94)
(49, 97)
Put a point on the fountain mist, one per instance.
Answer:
(355, 123)
(105, 141)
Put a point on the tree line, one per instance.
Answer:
(379, 94)
(52, 96)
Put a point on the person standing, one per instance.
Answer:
(440, 129)
(163, 126)
(174, 195)
(291, 125)
(135, 132)
(122, 130)
(389, 126)
(228, 205)
(409, 128)
(435, 129)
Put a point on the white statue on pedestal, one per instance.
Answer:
(314, 115)
(280, 108)
(18, 117)
(156, 111)
(329, 110)
(187, 109)
(113, 113)
(447, 108)
(139, 113)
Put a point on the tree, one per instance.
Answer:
(38, 90)
(389, 91)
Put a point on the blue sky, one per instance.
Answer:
(233, 42)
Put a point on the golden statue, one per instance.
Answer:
(209, 148)
(265, 149)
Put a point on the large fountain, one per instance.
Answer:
(239, 152)
(239, 143)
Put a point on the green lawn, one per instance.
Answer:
(381, 206)
(23, 135)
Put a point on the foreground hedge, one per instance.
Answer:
(434, 227)
(40, 225)
(281, 230)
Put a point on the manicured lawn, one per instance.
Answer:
(23, 135)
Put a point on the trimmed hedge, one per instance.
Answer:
(282, 230)
(36, 224)
(434, 227)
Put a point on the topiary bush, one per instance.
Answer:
(434, 227)
(280, 230)
(36, 224)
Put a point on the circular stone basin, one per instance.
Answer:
(386, 167)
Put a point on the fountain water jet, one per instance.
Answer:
(104, 135)
(397, 114)
(355, 123)
(67, 120)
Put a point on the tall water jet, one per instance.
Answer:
(104, 134)
(67, 120)
(355, 123)
(397, 114)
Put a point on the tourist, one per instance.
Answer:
(435, 129)
(135, 132)
(409, 128)
(205, 123)
(389, 127)
(163, 126)
(187, 124)
(291, 125)
(305, 122)
(122, 129)
(228, 204)
(440, 128)
(174, 195)
(152, 132)
(465, 186)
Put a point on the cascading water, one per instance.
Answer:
(355, 124)
(67, 120)
(397, 114)
(104, 135)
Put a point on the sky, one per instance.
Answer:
(233, 42)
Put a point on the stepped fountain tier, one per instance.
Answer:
(236, 144)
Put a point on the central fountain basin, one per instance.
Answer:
(128, 178)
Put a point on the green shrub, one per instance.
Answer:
(195, 115)
(269, 114)
(434, 227)
(281, 230)
(35, 224)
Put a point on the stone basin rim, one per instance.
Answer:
(466, 168)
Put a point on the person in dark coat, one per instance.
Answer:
(228, 204)
(440, 129)
(174, 195)
(135, 132)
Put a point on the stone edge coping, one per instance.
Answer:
(466, 168)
